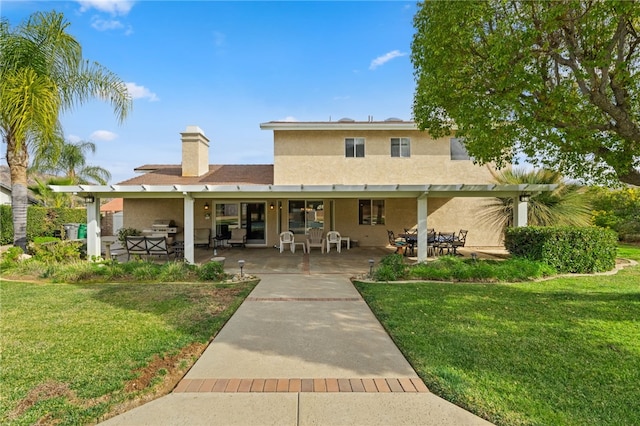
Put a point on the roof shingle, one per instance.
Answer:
(171, 174)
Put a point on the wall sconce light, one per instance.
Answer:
(525, 198)
(206, 206)
(241, 265)
(89, 199)
(271, 206)
(371, 261)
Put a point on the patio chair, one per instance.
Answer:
(444, 240)
(398, 243)
(287, 237)
(333, 237)
(459, 241)
(202, 237)
(431, 239)
(238, 238)
(135, 245)
(157, 246)
(315, 239)
(411, 239)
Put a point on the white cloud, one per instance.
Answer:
(141, 92)
(290, 119)
(114, 7)
(105, 25)
(381, 60)
(103, 135)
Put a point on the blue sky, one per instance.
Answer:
(229, 66)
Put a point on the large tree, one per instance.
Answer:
(555, 80)
(42, 73)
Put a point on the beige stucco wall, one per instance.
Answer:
(318, 157)
(400, 213)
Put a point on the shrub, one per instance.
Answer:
(174, 271)
(123, 233)
(211, 271)
(56, 251)
(391, 268)
(449, 268)
(567, 249)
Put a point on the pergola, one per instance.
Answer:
(422, 193)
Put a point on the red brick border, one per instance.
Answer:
(403, 384)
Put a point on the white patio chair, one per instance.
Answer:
(287, 237)
(315, 239)
(333, 237)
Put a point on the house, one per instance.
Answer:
(5, 188)
(358, 177)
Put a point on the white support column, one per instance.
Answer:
(519, 212)
(93, 229)
(422, 229)
(189, 203)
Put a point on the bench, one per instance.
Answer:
(148, 246)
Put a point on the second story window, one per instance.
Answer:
(400, 147)
(354, 147)
(458, 150)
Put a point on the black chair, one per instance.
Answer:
(412, 243)
(398, 243)
(444, 240)
(431, 239)
(459, 241)
(222, 236)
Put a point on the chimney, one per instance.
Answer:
(195, 152)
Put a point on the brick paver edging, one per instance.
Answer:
(381, 385)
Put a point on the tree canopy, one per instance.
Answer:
(556, 81)
(42, 72)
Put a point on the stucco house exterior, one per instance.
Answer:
(360, 178)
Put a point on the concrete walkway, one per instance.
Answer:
(301, 350)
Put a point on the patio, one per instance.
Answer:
(259, 261)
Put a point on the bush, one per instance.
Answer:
(449, 268)
(123, 233)
(391, 268)
(211, 271)
(10, 257)
(56, 251)
(41, 221)
(567, 249)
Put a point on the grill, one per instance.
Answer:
(162, 228)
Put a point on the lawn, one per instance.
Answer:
(76, 354)
(563, 351)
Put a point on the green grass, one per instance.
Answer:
(68, 351)
(564, 351)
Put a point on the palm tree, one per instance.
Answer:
(567, 205)
(69, 160)
(43, 192)
(42, 73)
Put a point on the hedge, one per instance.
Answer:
(568, 249)
(41, 221)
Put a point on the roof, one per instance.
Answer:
(342, 124)
(115, 205)
(167, 174)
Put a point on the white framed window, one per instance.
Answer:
(400, 147)
(304, 215)
(354, 147)
(371, 212)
